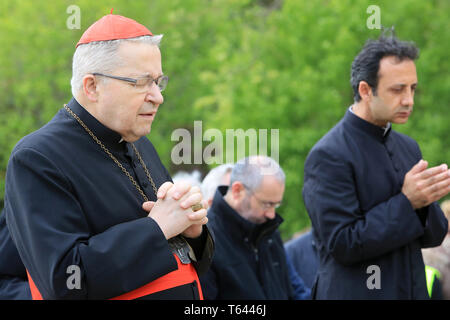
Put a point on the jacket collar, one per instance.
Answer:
(238, 225)
(110, 138)
(374, 131)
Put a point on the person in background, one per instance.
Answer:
(250, 261)
(219, 176)
(303, 253)
(439, 259)
(370, 195)
(300, 289)
(192, 178)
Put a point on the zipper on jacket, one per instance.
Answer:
(260, 237)
(255, 250)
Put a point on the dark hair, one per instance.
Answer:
(366, 64)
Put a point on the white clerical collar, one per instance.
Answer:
(386, 129)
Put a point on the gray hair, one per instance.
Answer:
(214, 179)
(251, 170)
(102, 57)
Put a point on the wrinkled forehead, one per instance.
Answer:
(140, 58)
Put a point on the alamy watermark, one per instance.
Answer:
(374, 20)
(74, 20)
(222, 148)
(74, 279)
(374, 280)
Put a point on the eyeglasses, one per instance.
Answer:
(143, 83)
(265, 204)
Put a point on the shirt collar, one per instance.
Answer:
(222, 207)
(381, 133)
(110, 138)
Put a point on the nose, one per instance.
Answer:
(408, 98)
(154, 95)
(270, 213)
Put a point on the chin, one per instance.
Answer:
(135, 136)
(145, 131)
(400, 121)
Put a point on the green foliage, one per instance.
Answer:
(232, 64)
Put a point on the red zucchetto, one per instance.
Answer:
(113, 27)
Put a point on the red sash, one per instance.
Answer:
(35, 294)
(183, 275)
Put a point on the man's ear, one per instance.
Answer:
(365, 91)
(90, 87)
(237, 189)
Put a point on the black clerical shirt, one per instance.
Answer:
(368, 235)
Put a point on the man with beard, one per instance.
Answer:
(249, 261)
(370, 196)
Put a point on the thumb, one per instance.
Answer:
(419, 166)
(148, 205)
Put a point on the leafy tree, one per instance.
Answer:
(262, 64)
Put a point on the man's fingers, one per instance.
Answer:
(430, 172)
(438, 178)
(192, 190)
(191, 200)
(193, 197)
(200, 214)
(439, 189)
(419, 166)
(176, 191)
(197, 216)
(195, 189)
(179, 190)
(205, 204)
(204, 220)
(163, 189)
(148, 205)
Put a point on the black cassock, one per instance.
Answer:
(363, 224)
(13, 277)
(68, 206)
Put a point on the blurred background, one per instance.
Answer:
(249, 64)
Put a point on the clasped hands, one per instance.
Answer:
(173, 210)
(423, 185)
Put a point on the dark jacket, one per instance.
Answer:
(13, 276)
(249, 260)
(303, 254)
(300, 290)
(361, 219)
(67, 204)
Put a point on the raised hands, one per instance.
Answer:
(423, 186)
(173, 210)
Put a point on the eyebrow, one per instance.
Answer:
(146, 75)
(403, 85)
